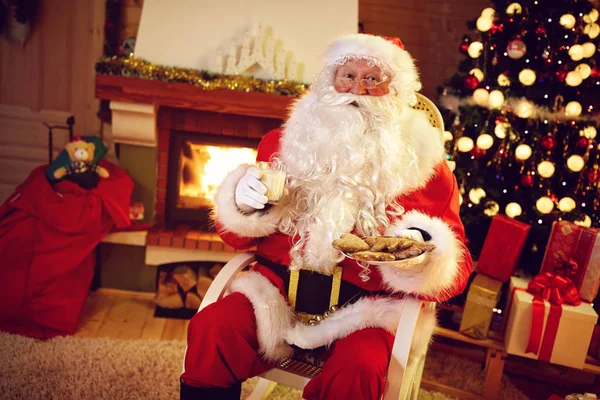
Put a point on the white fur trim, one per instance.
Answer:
(381, 312)
(436, 275)
(426, 142)
(258, 224)
(274, 317)
(405, 78)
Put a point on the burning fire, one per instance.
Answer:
(203, 168)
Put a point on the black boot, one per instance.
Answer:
(187, 392)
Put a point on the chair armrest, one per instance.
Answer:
(397, 370)
(225, 276)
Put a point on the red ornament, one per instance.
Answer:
(516, 49)
(554, 198)
(593, 175)
(540, 30)
(478, 153)
(464, 47)
(582, 142)
(561, 75)
(527, 180)
(471, 82)
(548, 143)
(594, 73)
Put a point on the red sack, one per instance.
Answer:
(47, 240)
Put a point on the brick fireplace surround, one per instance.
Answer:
(145, 113)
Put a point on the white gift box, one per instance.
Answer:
(574, 329)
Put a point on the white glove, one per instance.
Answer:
(409, 234)
(250, 192)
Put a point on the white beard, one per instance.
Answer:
(346, 165)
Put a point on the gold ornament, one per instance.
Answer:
(139, 68)
(334, 308)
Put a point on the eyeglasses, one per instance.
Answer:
(366, 83)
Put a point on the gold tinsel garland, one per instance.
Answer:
(142, 69)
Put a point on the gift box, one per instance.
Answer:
(544, 330)
(482, 298)
(502, 247)
(574, 251)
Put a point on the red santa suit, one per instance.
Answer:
(251, 329)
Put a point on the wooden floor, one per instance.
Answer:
(123, 314)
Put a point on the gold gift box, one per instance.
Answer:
(483, 296)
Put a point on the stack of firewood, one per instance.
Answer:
(184, 286)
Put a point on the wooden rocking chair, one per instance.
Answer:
(404, 372)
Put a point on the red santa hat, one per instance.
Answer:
(388, 52)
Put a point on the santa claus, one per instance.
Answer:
(359, 159)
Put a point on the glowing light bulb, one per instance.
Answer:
(527, 77)
(514, 8)
(475, 49)
(477, 73)
(480, 96)
(485, 141)
(566, 204)
(576, 52)
(465, 144)
(495, 99)
(503, 80)
(544, 205)
(484, 23)
(567, 21)
(476, 194)
(513, 210)
(523, 152)
(501, 129)
(584, 70)
(573, 109)
(588, 49)
(546, 169)
(575, 163)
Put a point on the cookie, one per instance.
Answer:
(388, 244)
(373, 256)
(350, 243)
(416, 249)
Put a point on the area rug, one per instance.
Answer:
(78, 368)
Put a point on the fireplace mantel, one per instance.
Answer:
(181, 95)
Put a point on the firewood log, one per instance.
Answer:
(215, 270)
(169, 301)
(185, 277)
(204, 282)
(192, 300)
(166, 286)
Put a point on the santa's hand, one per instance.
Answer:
(250, 192)
(409, 234)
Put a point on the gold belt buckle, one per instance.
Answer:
(334, 298)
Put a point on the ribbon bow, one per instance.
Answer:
(566, 266)
(554, 288)
(558, 290)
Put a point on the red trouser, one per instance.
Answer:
(223, 350)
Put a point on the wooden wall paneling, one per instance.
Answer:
(48, 79)
(58, 39)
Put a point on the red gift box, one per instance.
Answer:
(574, 251)
(502, 247)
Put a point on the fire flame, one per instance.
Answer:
(202, 173)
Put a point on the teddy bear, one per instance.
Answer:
(81, 154)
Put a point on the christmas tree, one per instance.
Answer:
(521, 117)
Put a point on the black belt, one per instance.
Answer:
(314, 288)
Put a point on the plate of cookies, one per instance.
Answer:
(383, 250)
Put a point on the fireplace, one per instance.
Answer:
(197, 165)
(196, 149)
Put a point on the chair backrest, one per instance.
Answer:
(435, 118)
(433, 113)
